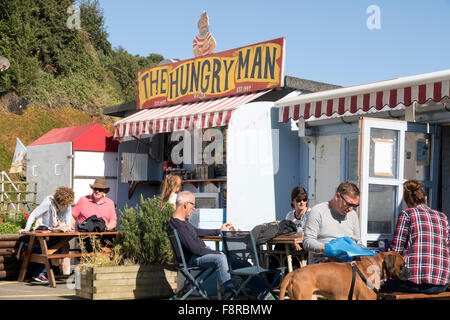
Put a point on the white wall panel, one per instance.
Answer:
(95, 164)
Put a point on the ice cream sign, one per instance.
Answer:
(242, 70)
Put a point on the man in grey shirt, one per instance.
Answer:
(331, 220)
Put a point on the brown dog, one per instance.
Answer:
(332, 280)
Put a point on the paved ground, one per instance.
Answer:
(13, 290)
(32, 290)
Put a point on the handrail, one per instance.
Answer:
(5, 199)
(4, 174)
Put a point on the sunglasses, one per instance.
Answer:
(301, 200)
(99, 190)
(193, 204)
(348, 204)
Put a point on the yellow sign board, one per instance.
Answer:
(247, 69)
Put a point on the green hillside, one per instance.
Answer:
(59, 76)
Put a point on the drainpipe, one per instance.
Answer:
(311, 143)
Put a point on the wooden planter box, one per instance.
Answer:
(127, 282)
(9, 265)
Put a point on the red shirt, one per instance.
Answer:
(86, 207)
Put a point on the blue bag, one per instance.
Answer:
(345, 249)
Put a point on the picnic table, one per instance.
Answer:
(50, 253)
(288, 242)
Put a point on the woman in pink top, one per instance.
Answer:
(96, 204)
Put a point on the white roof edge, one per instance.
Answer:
(359, 89)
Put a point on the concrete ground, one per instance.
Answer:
(65, 290)
(31, 290)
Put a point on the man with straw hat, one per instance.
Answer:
(96, 204)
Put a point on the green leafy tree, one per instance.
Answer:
(51, 62)
(18, 43)
(93, 22)
(125, 67)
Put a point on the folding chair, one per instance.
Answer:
(241, 245)
(195, 281)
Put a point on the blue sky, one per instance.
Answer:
(326, 40)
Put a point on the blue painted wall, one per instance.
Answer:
(292, 154)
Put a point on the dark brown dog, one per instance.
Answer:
(332, 280)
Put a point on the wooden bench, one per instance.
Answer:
(415, 296)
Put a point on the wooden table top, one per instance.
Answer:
(289, 239)
(69, 234)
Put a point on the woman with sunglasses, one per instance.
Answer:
(299, 203)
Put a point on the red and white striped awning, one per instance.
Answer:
(203, 114)
(366, 98)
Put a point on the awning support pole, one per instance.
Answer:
(410, 112)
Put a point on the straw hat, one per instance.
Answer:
(100, 183)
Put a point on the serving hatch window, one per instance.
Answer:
(133, 167)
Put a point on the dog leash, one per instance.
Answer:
(355, 270)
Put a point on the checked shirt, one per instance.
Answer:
(422, 238)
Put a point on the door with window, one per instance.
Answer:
(392, 152)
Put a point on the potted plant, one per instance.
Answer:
(10, 224)
(140, 264)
